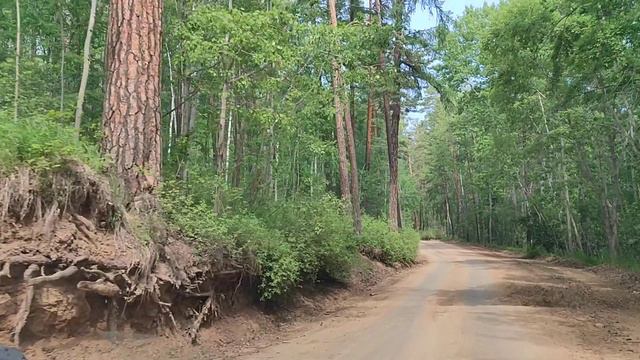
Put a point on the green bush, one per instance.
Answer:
(534, 252)
(42, 143)
(285, 245)
(432, 234)
(380, 243)
(320, 232)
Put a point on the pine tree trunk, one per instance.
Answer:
(86, 62)
(370, 118)
(131, 119)
(392, 126)
(340, 133)
(371, 108)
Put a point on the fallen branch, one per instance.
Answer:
(25, 307)
(206, 308)
(6, 270)
(53, 277)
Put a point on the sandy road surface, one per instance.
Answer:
(449, 308)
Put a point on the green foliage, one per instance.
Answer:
(41, 143)
(389, 247)
(292, 242)
(433, 234)
(534, 149)
(534, 252)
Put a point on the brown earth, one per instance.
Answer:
(461, 303)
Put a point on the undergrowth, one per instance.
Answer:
(286, 244)
(42, 143)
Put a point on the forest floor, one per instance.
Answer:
(460, 302)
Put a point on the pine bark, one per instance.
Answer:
(392, 127)
(370, 125)
(131, 119)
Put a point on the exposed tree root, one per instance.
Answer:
(71, 270)
(25, 307)
(208, 306)
(6, 270)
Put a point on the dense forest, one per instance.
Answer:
(289, 136)
(534, 141)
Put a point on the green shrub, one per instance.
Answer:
(380, 243)
(320, 232)
(42, 143)
(534, 251)
(285, 245)
(432, 234)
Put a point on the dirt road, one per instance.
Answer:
(455, 307)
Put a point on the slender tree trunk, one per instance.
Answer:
(370, 125)
(228, 148)
(238, 146)
(340, 133)
(222, 130)
(222, 123)
(62, 53)
(86, 62)
(16, 94)
(447, 210)
(355, 183)
(131, 120)
(173, 120)
(392, 127)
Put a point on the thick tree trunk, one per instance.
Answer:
(16, 94)
(340, 133)
(131, 120)
(86, 62)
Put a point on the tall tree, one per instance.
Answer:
(392, 122)
(86, 62)
(340, 132)
(131, 119)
